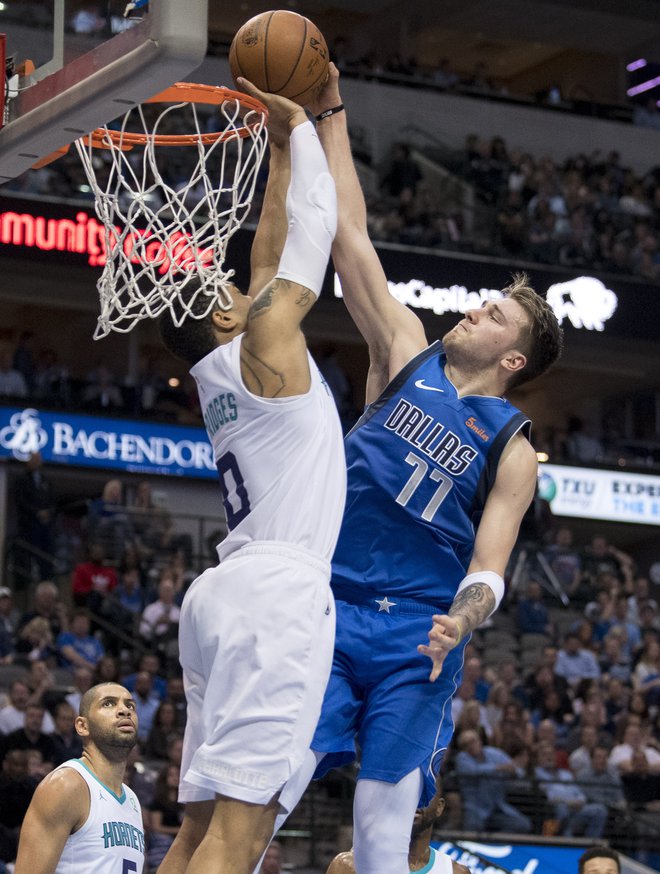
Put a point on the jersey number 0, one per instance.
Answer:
(232, 485)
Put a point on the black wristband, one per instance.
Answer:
(328, 112)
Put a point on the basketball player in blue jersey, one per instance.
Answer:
(256, 633)
(422, 857)
(82, 818)
(440, 473)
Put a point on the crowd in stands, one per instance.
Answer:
(32, 373)
(557, 718)
(590, 212)
(587, 212)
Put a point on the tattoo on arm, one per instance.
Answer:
(264, 300)
(261, 303)
(474, 604)
(305, 298)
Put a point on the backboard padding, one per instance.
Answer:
(98, 86)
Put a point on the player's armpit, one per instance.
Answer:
(60, 806)
(274, 362)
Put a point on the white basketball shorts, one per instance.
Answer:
(256, 639)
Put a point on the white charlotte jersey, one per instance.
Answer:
(439, 863)
(280, 460)
(112, 839)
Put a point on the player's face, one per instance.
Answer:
(485, 335)
(112, 721)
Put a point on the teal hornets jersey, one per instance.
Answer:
(421, 462)
(112, 839)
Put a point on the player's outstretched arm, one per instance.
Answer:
(273, 353)
(483, 588)
(59, 806)
(270, 235)
(393, 332)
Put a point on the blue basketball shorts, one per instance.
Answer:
(379, 694)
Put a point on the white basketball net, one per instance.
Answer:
(165, 232)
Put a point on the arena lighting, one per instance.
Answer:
(542, 457)
(643, 86)
(635, 65)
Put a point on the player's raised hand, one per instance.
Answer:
(327, 97)
(283, 114)
(445, 634)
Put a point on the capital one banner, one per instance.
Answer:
(601, 494)
(113, 444)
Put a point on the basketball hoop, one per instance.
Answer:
(169, 211)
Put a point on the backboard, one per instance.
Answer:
(93, 60)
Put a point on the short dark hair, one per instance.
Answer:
(90, 696)
(598, 853)
(543, 339)
(185, 332)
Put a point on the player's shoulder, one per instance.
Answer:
(62, 792)
(457, 868)
(519, 452)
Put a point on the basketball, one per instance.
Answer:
(281, 52)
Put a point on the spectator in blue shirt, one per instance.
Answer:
(485, 773)
(574, 663)
(149, 662)
(533, 616)
(571, 809)
(632, 640)
(146, 704)
(600, 784)
(77, 647)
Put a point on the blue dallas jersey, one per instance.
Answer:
(421, 462)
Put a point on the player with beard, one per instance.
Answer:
(422, 857)
(83, 818)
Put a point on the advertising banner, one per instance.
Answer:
(433, 283)
(601, 494)
(112, 444)
(487, 858)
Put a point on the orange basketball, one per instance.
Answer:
(281, 52)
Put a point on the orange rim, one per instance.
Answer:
(183, 92)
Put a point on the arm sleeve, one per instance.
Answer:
(311, 206)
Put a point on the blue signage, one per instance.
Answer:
(113, 444)
(491, 858)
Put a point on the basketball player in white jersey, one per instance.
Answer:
(422, 857)
(256, 633)
(82, 818)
